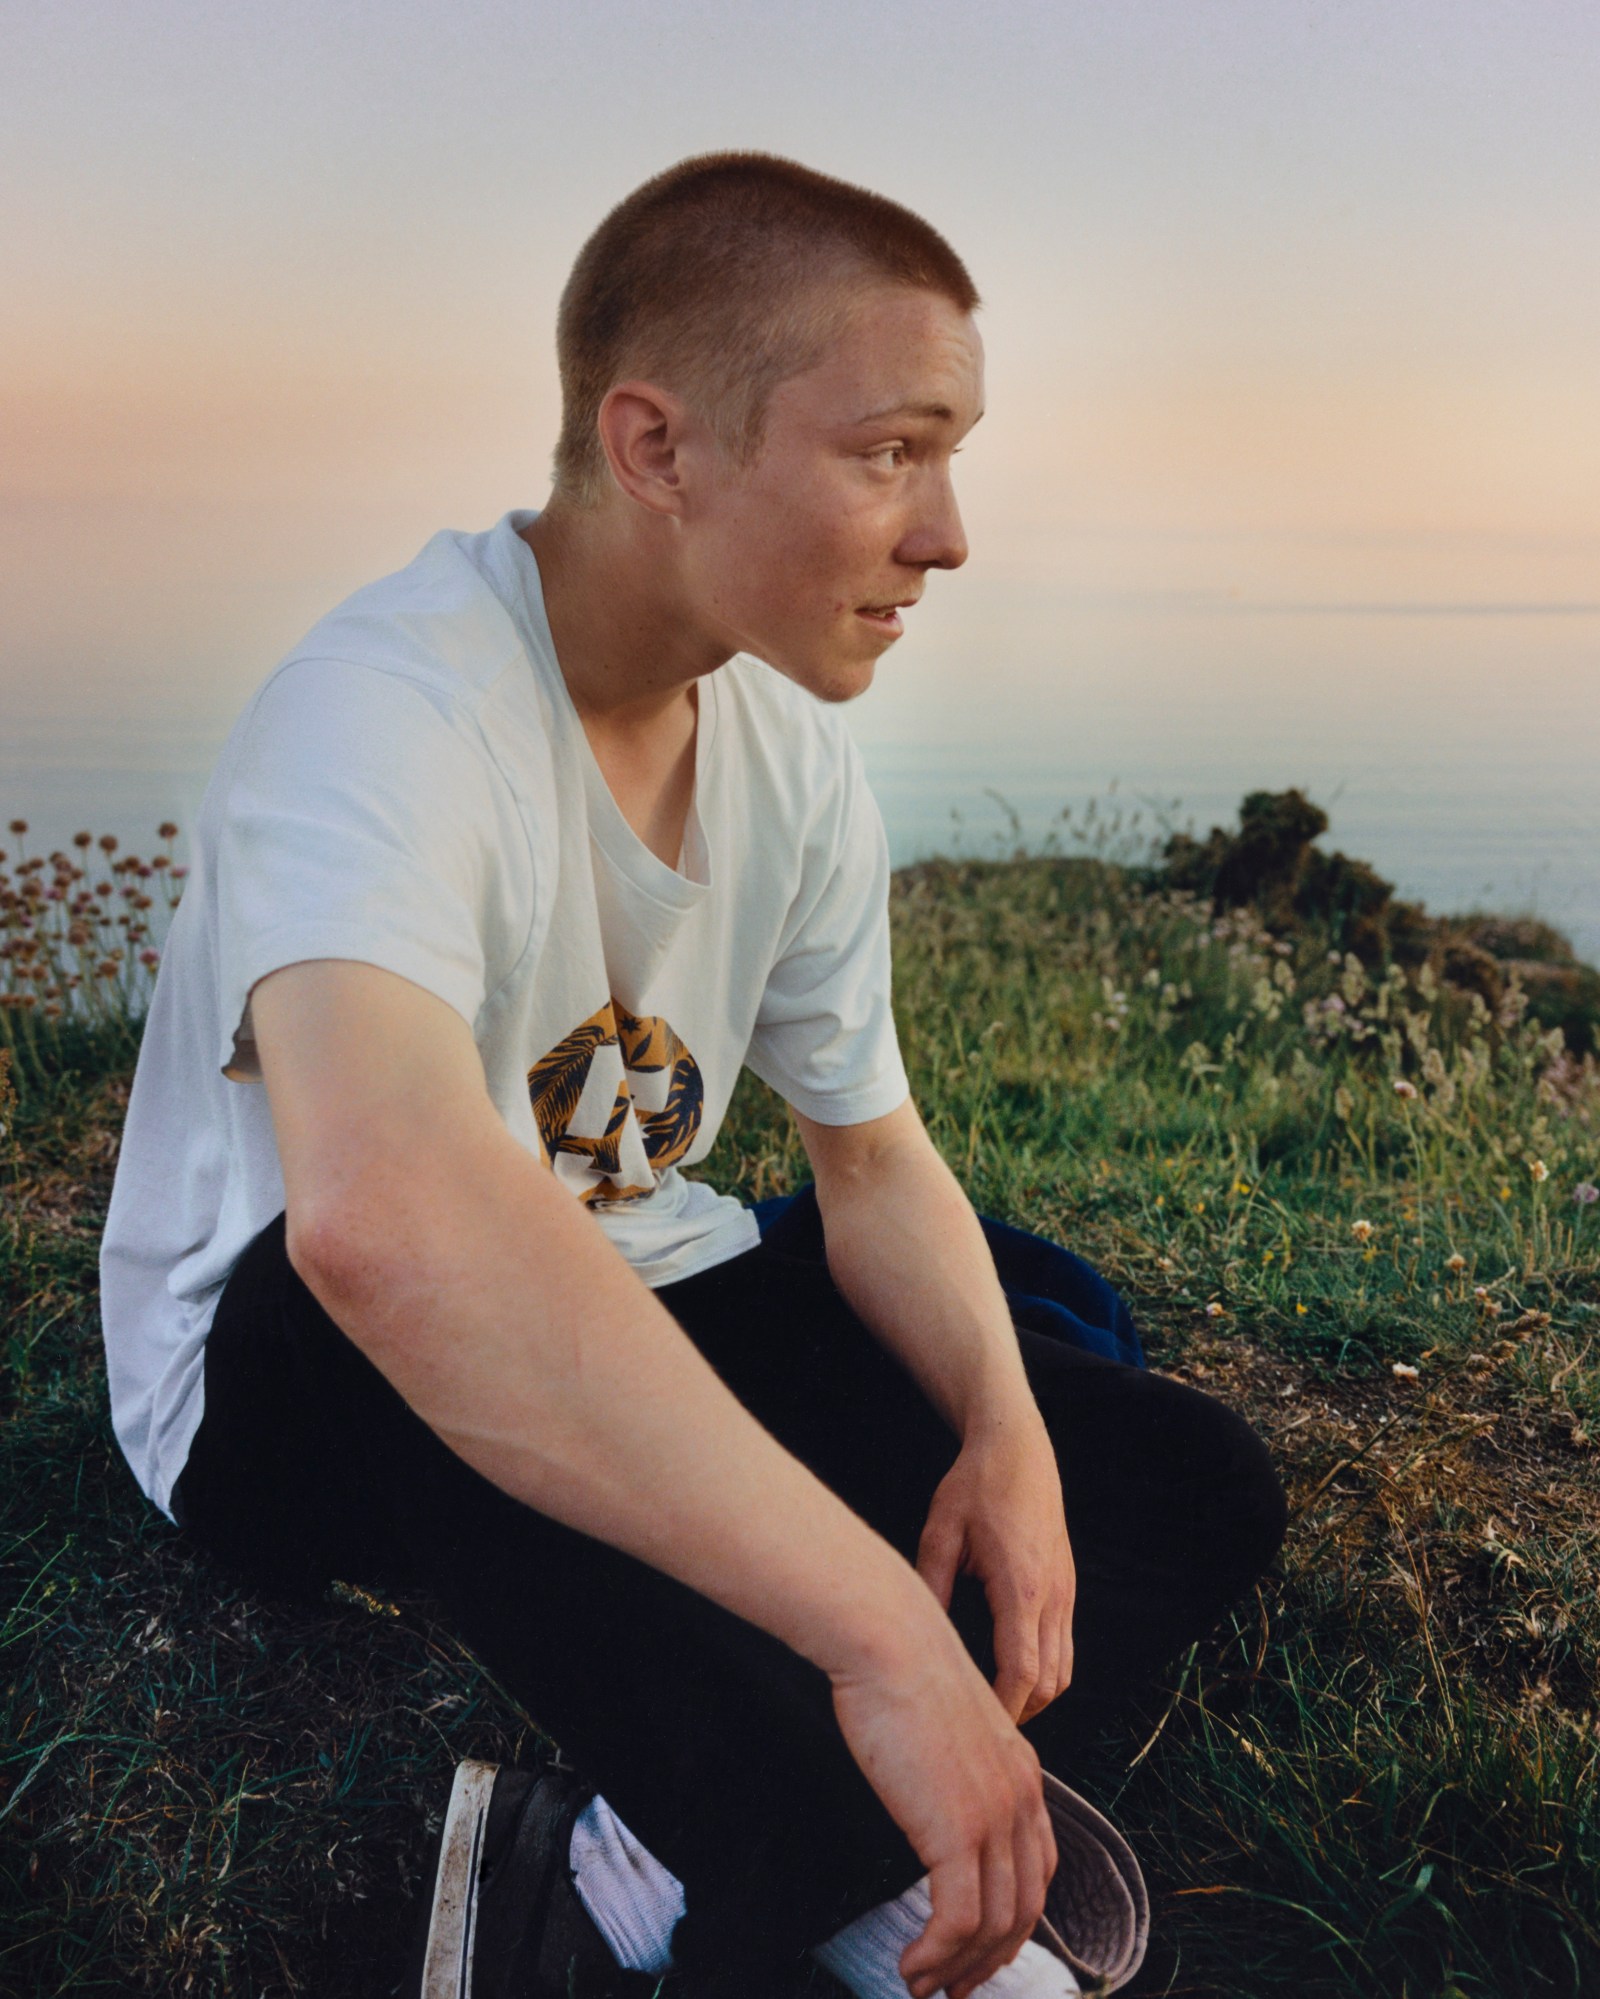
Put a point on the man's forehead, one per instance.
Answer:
(892, 412)
(899, 356)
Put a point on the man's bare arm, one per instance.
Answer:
(907, 1251)
(497, 1308)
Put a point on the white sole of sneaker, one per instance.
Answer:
(447, 1961)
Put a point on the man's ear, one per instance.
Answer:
(643, 430)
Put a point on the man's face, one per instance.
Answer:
(807, 557)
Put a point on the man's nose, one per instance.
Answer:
(937, 540)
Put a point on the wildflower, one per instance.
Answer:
(1403, 1372)
(1299, 1310)
(1241, 1186)
(83, 839)
(1343, 1103)
(166, 830)
(179, 873)
(1457, 1262)
(1214, 1310)
(1505, 1193)
(1586, 1193)
(1539, 1170)
(108, 843)
(1361, 1230)
(150, 959)
(19, 827)
(1404, 1089)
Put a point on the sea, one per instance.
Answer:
(1456, 748)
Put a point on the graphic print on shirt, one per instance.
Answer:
(617, 1102)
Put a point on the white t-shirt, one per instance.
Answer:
(412, 788)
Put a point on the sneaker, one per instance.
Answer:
(503, 1918)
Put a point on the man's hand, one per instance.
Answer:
(965, 1789)
(908, 1253)
(997, 1515)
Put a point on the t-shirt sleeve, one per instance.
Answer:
(825, 1035)
(350, 829)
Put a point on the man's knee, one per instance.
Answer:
(1243, 1505)
(1188, 1476)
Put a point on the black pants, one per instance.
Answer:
(715, 1743)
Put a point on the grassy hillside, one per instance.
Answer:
(1345, 1191)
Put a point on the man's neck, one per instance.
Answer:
(627, 646)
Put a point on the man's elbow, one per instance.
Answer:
(356, 1251)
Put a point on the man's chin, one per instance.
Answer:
(833, 682)
(849, 684)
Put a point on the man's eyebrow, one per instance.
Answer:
(939, 412)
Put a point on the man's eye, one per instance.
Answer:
(893, 456)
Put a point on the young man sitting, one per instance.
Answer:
(806, 1547)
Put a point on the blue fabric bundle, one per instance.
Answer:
(1049, 1290)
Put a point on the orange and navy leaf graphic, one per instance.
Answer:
(648, 1047)
(556, 1080)
(604, 1153)
(646, 1044)
(669, 1133)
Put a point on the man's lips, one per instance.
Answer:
(886, 617)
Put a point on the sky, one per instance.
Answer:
(1290, 308)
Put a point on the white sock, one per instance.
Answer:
(633, 1900)
(865, 1955)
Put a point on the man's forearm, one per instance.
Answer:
(908, 1252)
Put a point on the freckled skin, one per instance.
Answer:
(837, 514)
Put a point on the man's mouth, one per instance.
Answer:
(886, 617)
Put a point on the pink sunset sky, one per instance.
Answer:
(1286, 304)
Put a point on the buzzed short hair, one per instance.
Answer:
(719, 279)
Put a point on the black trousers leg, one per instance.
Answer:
(713, 1741)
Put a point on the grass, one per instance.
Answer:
(1378, 1777)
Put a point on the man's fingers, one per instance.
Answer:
(1064, 1653)
(939, 1560)
(956, 1890)
(1049, 1682)
(974, 1930)
(1014, 1895)
(1016, 1648)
